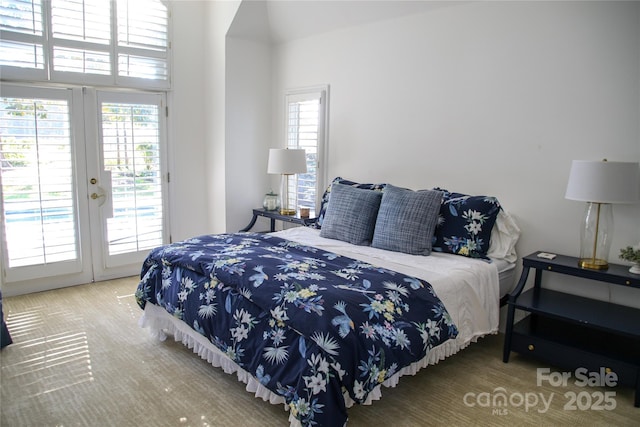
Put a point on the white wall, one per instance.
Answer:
(219, 17)
(220, 115)
(187, 140)
(248, 128)
(486, 98)
(248, 115)
(489, 98)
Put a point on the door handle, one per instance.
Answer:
(99, 194)
(103, 193)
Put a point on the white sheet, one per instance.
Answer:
(468, 287)
(506, 275)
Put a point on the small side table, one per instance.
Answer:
(574, 332)
(275, 215)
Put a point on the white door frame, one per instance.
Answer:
(93, 261)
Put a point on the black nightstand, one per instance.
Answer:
(573, 332)
(275, 215)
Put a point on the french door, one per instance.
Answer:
(83, 184)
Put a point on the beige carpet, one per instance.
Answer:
(80, 359)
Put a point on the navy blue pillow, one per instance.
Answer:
(325, 197)
(465, 223)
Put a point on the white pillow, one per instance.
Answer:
(504, 236)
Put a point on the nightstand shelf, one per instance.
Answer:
(277, 216)
(575, 337)
(570, 346)
(573, 332)
(617, 319)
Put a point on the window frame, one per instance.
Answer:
(93, 261)
(320, 92)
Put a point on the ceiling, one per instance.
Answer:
(279, 21)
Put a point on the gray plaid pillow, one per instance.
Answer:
(351, 214)
(407, 220)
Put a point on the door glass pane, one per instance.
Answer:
(131, 152)
(36, 171)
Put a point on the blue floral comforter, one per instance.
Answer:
(308, 324)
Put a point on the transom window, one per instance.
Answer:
(106, 42)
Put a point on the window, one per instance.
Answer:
(306, 112)
(113, 43)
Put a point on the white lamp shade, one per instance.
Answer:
(287, 161)
(604, 182)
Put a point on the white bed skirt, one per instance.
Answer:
(161, 323)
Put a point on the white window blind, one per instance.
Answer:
(131, 152)
(110, 42)
(305, 121)
(81, 36)
(21, 16)
(142, 39)
(22, 37)
(87, 21)
(37, 195)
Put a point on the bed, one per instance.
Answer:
(318, 321)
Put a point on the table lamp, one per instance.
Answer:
(600, 184)
(286, 162)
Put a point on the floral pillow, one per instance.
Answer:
(325, 197)
(465, 223)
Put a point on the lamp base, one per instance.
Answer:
(593, 264)
(595, 236)
(287, 211)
